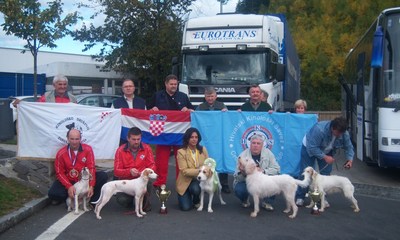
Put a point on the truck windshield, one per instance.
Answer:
(222, 69)
(391, 66)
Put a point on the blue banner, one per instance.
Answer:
(227, 134)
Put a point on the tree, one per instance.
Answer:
(39, 26)
(251, 6)
(324, 31)
(138, 37)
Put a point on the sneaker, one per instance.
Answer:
(327, 204)
(300, 202)
(267, 206)
(197, 205)
(246, 203)
(225, 189)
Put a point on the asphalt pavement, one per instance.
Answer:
(377, 190)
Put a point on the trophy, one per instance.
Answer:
(316, 197)
(163, 196)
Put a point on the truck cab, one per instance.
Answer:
(231, 53)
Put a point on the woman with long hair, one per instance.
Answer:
(190, 158)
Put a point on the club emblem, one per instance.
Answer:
(257, 129)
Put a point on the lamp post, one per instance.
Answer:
(222, 2)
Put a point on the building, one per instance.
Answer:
(85, 74)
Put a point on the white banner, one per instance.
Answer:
(42, 129)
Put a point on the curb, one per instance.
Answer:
(26, 211)
(391, 193)
(30, 208)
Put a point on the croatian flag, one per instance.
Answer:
(158, 127)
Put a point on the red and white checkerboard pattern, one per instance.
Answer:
(156, 127)
(104, 115)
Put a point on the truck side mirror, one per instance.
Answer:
(280, 72)
(175, 66)
(377, 48)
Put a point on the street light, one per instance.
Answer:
(222, 2)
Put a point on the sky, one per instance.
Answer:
(199, 8)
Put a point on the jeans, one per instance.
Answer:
(128, 201)
(307, 161)
(58, 192)
(241, 192)
(190, 197)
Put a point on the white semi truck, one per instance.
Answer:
(231, 52)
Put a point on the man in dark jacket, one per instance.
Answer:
(168, 99)
(255, 104)
(128, 99)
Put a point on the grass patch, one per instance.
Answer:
(13, 195)
(12, 141)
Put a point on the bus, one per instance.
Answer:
(371, 91)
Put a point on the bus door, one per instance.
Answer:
(360, 106)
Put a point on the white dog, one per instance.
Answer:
(209, 182)
(330, 184)
(135, 187)
(260, 185)
(81, 191)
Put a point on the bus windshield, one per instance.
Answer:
(223, 68)
(391, 66)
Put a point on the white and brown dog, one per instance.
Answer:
(330, 184)
(209, 182)
(260, 185)
(81, 192)
(136, 187)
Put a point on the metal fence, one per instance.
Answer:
(327, 115)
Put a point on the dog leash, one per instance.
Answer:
(326, 165)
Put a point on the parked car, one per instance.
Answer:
(96, 99)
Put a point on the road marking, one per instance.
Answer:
(54, 230)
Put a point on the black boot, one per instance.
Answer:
(223, 179)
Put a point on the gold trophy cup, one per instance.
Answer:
(316, 197)
(163, 196)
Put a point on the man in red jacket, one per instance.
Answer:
(69, 162)
(131, 159)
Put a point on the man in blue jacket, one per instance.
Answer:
(319, 146)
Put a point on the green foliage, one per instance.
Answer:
(251, 6)
(37, 25)
(324, 31)
(138, 37)
(13, 195)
